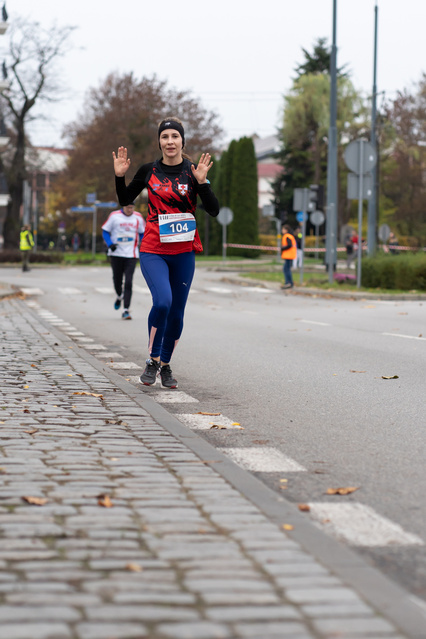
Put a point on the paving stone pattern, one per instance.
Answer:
(176, 552)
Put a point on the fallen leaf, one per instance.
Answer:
(84, 393)
(105, 501)
(236, 424)
(304, 507)
(351, 371)
(212, 414)
(342, 491)
(134, 567)
(284, 480)
(32, 431)
(69, 375)
(420, 334)
(218, 426)
(287, 527)
(114, 458)
(36, 501)
(25, 410)
(2, 471)
(26, 386)
(283, 487)
(390, 377)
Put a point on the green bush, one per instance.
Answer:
(403, 272)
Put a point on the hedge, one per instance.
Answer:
(405, 272)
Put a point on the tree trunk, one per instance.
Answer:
(15, 178)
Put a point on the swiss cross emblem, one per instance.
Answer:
(183, 189)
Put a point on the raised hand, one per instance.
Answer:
(203, 167)
(121, 161)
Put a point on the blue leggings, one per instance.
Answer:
(169, 278)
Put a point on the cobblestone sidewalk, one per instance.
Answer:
(111, 527)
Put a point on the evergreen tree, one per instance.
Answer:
(244, 198)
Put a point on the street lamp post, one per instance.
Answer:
(372, 202)
(331, 238)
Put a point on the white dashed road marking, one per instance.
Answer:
(174, 397)
(317, 323)
(205, 422)
(105, 291)
(263, 460)
(32, 291)
(141, 289)
(123, 365)
(94, 347)
(406, 336)
(70, 291)
(360, 525)
(217, 289)
(111, 355)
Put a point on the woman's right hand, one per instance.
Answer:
(121, 161)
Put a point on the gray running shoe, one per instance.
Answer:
(149, 376)
(167, 379)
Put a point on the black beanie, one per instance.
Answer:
(172, 124)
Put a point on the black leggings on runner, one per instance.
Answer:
(123, 267)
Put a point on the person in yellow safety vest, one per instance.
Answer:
(26, 243)
(288, 254)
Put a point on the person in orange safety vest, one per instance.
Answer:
(288, 254)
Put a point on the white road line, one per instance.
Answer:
(70, 291)
(360, 525)
(123, 365)
(32, 291)
(258, 289)
(94, 347)
(104, 290)
(264, 459)
(141, 289)
(174, 397)
(84, 339)
(110, 355)
(422, 339)
(217, 289)
(205, 422)
(317, 323)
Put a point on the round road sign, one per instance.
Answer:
(317, 218)
(353, 156)
(225, 216)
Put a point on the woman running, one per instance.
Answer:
(171, 239)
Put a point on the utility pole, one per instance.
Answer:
(372, 202)
(331, 237)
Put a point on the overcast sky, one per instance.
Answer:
(237, 56)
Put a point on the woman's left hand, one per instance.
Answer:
(203, 167)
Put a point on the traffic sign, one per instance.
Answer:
(384, 232)
(106, 205)
(225, 216)
(354, 185)
(268, 210)
(90, 198)
(81, 209)
(317, 218)
(353, 156)
(301, 216)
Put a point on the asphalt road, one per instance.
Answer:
(302, 375)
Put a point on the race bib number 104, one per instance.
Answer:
(177, 227)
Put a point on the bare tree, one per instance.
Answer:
(33, 78)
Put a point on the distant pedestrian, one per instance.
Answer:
(122, 233)
(171, 240)
(350, 248)
(393, 244)
(26, 244)
(288, 254)
(298, 234)
(75, 242)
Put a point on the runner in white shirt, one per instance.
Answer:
(122, 233)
